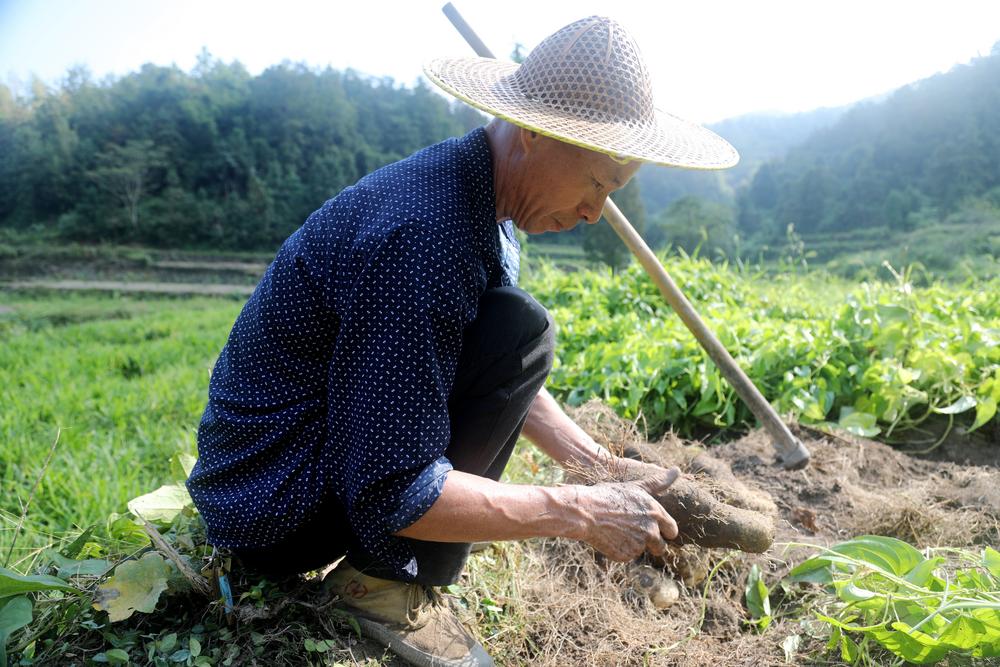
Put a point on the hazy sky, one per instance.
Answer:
(709, 59)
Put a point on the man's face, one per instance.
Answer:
(567, 185)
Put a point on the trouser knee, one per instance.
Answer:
(512, 336)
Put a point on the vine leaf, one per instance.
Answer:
(14, 615)
(12, 583)
(135, 586)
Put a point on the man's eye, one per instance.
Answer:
(597, 184)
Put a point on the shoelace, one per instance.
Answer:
(419, 599)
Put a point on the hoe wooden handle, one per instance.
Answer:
(791, 451)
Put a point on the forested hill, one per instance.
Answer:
(759, 137)
(212, 158)
(217, 158)
(927, 155)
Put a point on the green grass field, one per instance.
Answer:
(121, 380)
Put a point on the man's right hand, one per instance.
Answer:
(623, 519)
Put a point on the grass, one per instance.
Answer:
(124, 382)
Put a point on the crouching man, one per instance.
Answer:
(374, 385)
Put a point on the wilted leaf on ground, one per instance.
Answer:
(858, 423)
(135, 586)
(161, 505)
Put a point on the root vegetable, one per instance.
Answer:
(687, 563)
(703, 520)
(657, 585)
(726, 485)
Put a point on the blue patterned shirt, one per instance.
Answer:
(337, 372)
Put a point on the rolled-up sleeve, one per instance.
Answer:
(391, 374)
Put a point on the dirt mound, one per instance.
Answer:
(579, 610)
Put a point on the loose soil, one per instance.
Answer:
(853, 486)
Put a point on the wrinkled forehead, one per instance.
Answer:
(615, 171)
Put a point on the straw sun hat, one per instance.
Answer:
(587, 85)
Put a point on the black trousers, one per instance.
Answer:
(506, 356)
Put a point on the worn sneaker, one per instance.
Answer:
(412, 620)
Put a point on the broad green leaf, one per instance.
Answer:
(923, 573)
(989, 640)
(67, 567)
(814, 570)
(135, 586)
(892, 555)
(859, 423)
(853, 593)
(963, 633)
(911, 645)
(161, 505)
(973, 580)
(848, 649)
(15, 613)
(991, 561)
(167, 643)
(12, 583)
(835, 634)
(886, 553)
(115, 656)
(76, 546)
(986, 408)
(180, 655)
(127, 528)
(181, 465)
(959, 406)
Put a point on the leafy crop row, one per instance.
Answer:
(874, 358)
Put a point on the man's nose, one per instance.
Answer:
(591, 211)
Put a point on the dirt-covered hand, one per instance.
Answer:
(622, 520)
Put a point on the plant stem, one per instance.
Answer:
(24, 511)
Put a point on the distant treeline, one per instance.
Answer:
(929, 150)
(912, 176)
(212, 158)
(219, 158)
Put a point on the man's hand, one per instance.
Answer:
(622, 520)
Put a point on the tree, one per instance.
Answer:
(694, 224)
(125, 173)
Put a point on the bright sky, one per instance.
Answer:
(710, 59)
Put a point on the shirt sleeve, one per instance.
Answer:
(391, 375)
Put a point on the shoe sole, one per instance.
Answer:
(414, 656)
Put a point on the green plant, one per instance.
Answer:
(757, 599)
(919, 607)
(878, 358)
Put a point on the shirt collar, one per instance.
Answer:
(478, 174)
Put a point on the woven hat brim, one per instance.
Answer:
(489, 85)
